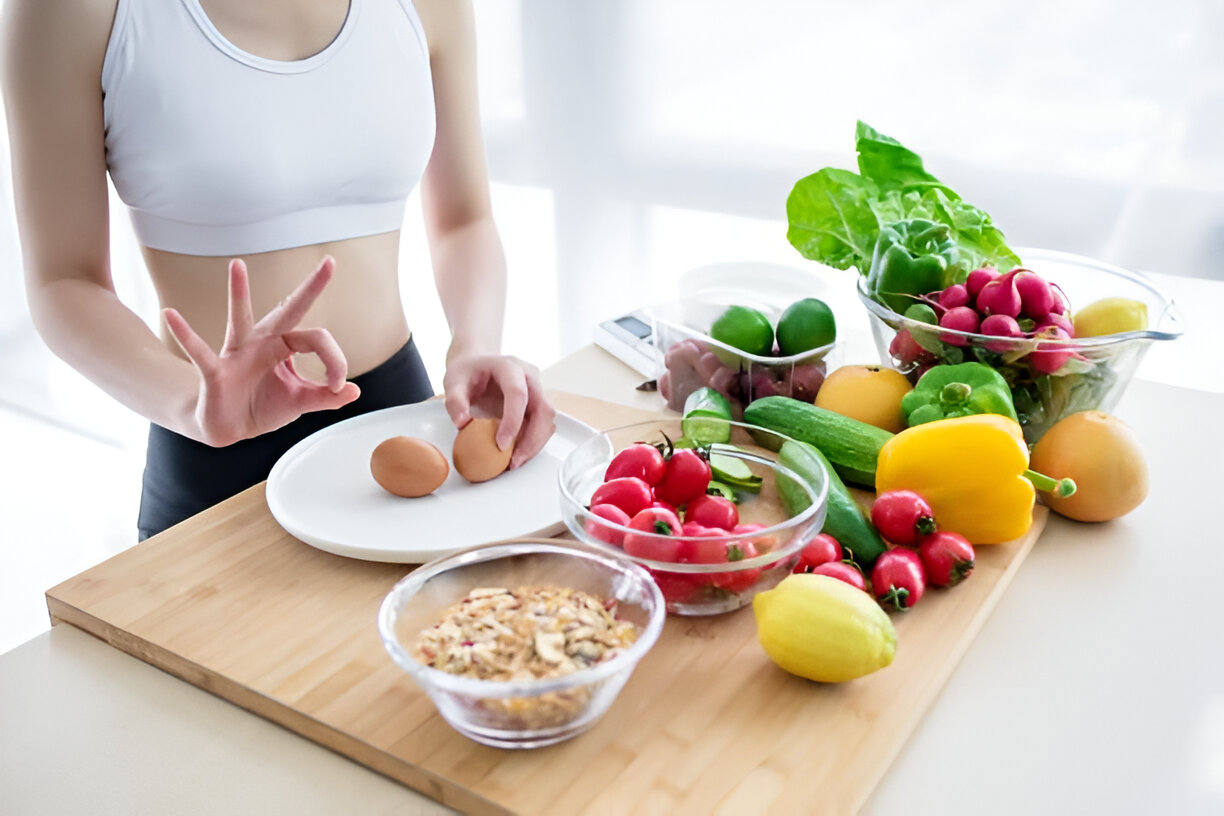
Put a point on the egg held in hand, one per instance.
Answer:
(408, 467)
(476, 455)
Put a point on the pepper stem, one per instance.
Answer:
(1059, 487)
(955, 393)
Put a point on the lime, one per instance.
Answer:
(805, 325)
(1111, 316)
(745, 329)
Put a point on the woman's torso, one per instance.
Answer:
(299, 126)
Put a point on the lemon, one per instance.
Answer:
(745, 329)
(1112, 315)
(821, 628)
(805, 325)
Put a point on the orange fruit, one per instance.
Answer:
(1102, 454)
(868, 393)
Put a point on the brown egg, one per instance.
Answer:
(408, 467)
(476, 455)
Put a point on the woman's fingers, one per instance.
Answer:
(241, 320)
(321, 343)
(538, 424)
(292, 309)
(192, 344)
(312, 397)
(513, 384)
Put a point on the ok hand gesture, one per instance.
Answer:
(251, 387)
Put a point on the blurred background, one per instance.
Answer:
(632, 141)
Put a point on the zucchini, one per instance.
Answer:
(702, 403)
(844, 519)
(850, 446)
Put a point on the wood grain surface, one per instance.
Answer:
(707, 724)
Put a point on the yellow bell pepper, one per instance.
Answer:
(972, 470)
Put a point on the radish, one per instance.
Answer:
(955, 295)
(1000, 296)
(1036, 296)
(963, 319)
(1058, 320)
(979, 278)
(1049, 357)
(999, 325)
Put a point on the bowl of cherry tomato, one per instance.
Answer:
(710, 508)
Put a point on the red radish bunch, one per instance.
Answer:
(654, 504)
(1015, 305)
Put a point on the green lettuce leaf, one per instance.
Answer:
(835, 215)
(831, 219)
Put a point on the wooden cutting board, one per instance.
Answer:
(707, 724)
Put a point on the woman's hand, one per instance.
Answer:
(489, 379)
(251, 387)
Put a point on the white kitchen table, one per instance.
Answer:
(1095, 686)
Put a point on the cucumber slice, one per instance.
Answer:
(722, 489)
(734, 472)
(706, 416)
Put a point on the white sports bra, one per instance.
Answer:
(220, 152)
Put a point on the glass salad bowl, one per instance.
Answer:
(522, 711)
(1049, 379)
(713, 567)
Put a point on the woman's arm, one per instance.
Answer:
(469, 265)
(52, 66)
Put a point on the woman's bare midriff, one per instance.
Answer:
(361, 306)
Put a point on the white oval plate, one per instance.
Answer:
(321, 491)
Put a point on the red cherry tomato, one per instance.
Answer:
(822, 549)
(677, 587)
(629, 493)
(692, 528)
(897, 579)
(602, 532)
(740, 580)
(640, 460)
(902, 517)
(712, 511)
(655, 540)
(947, 558)
(686, 478)
(843, 572)
(708, 545)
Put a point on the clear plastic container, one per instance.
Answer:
(1097, 369)
(690, 359)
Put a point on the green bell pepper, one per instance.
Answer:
(910, 258)
(947, 391)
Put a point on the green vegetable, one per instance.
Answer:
(733, 471)
(706, 416)
(910, 258)
(844, 519)
(835, 216)
(946, 391)
(850, 446)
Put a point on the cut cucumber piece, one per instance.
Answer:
(706, 418)
(734, 472)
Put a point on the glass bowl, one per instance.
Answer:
(534, 712)
(1095, 370)
(781, 518)
(690, 359)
